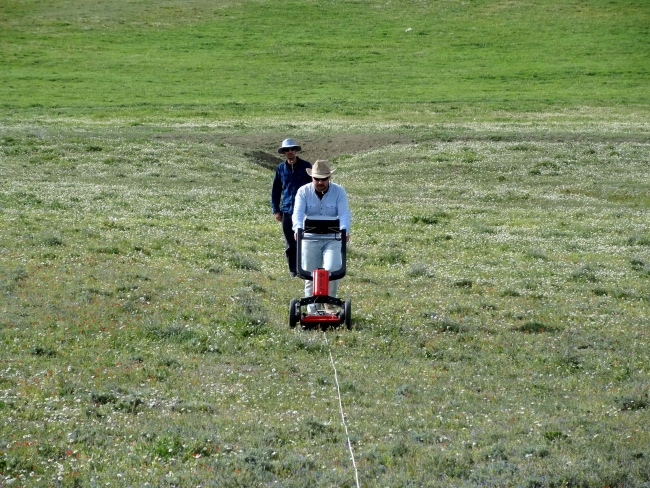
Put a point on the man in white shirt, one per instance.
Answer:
(321, 198)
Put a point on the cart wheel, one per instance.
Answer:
(347, 313)
(294, 313)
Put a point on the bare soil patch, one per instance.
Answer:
(263, 148)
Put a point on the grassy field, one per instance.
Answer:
(496, 156)
(500, 295)
(361, 58)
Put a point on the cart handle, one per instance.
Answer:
(334, 275)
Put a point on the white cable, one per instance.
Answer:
(338, 390)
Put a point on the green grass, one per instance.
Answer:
(500, 314)
(499, 267)
(345, 58)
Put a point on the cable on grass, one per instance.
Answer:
(345, 426)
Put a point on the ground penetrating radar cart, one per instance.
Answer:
(330, 311)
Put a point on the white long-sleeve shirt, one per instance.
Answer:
(333, 204)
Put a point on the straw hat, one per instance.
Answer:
(320, 169)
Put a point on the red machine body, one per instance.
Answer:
(322, 320)
(321, 283)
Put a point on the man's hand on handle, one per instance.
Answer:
(347, 237)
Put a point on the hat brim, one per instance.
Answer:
(319, 175)
(283, 149)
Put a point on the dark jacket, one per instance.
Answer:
(288, 178)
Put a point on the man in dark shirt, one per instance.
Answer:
(289, 177)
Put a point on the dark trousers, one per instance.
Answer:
(289, 241)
